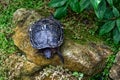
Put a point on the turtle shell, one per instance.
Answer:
(46, 33)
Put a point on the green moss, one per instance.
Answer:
(7, 8)
(80, 34)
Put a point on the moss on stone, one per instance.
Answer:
(81, 33)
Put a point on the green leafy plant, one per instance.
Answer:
(78, 75)
(62, 5)
(106, 11)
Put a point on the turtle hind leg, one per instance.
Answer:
(60, 55)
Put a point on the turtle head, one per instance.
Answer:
(47, 53)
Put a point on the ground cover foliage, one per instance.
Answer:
(107, 18)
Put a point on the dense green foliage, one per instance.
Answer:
(7, 8)
(107, 12)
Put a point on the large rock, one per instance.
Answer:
(18, 68)
(78, 57)
(115, 70)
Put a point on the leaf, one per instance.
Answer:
(101, 10)
(60, 12)
(110, 2)
(116, 12)
(116, 35)
(84, 4)
(118, 24)
(75, 74)
(108, 13)
(107, 27)
(57, 3)
(95, 3)
(74, 4)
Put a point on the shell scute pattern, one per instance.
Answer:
(45, 33)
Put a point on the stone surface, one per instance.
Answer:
(19, 68)
(115, 70)
(78, 57)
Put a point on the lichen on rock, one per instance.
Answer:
(19, 68)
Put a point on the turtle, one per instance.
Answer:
(46, 35)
